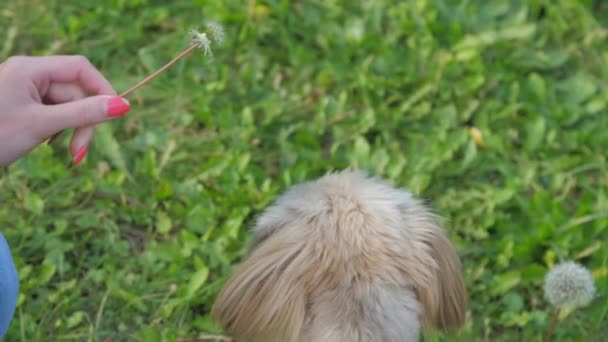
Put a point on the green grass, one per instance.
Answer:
(135, 243)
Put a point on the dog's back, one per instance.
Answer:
(344, 258)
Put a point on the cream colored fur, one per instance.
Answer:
(344, 258)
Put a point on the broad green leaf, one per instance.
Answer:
(75, 319)
(46, 272)
(34, 203)
(109, 148)
(502, 283)
(197, 280)
(163, 222)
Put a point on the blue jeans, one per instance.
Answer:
(9, 286)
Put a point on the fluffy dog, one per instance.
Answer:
(344, 258)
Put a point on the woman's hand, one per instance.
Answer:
(41, 96)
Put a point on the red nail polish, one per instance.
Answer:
(117, 106)
(79, 155)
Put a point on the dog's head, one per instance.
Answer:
(342, 231)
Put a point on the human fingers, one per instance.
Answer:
(44, 71)
(91, 110)
(63, 92)
(82, 136)
(79, 146)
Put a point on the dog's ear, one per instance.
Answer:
(442, 290)
(265, 299)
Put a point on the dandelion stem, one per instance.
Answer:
(554, 318)
(159, 71)
(149, 77)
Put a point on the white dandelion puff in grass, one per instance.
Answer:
(569, 284)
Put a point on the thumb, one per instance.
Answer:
(88, 111)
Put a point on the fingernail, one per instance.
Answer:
(79, 155)
(117, 106)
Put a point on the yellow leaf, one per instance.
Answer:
(600, 272)
(549, 258)
(257, 11)
(261, 11)
(476, 135)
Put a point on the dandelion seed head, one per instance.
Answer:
(216, 31)
(569, 284)
(201, 39)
